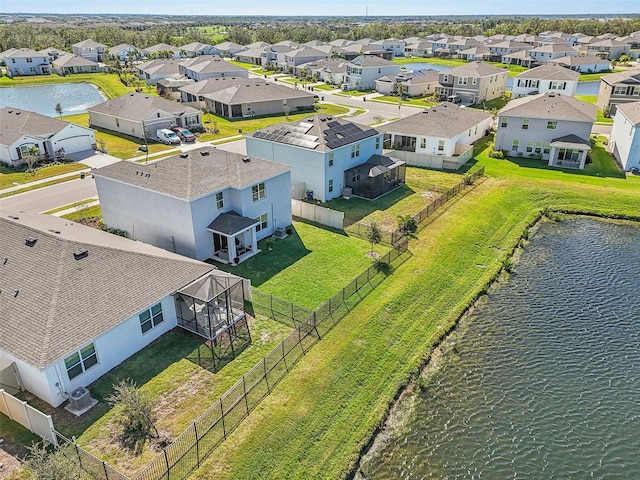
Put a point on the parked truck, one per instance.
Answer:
(164, 135)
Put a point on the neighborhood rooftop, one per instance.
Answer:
(316, 132)
(551, 106)
(550, 72)
(138, 106)
(631, 111)
(55, 272)
(194, 174)
(14, 123)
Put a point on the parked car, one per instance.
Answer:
(165, 135)
(184, 134)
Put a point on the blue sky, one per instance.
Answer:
(324, 7)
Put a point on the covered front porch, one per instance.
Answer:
(569, 151)
(234, 238)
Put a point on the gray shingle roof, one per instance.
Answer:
(581, 60)
(211, 85)
(160, 66)
(193, 175)
(88, 43)
(631, 111)
(71, 60)
(138, 106)
(231, 223)
(476, 69)
(630, 77)
(550, 106)
(550, 72)
(62, 303)
(442, 121)
(15, 122)
(257, 91)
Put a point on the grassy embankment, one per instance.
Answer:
(107, 83)
(321, 415)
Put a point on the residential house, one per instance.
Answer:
(302, 55)
(478, 53)
(124, 52)
(78, 301)
(625, 135)
(274, 56)
(528, 38)
(507, 47)
(330, 71)
(51, 52)
(610, 49)
(206, 203)
(618, 88)
(194, 49)
(192, 94)
(420, 48)
(438, 137)
(553, 127)
(584, 63)
(365, 50)
(256, 97)
(417, 83)
(545, 78)
(394, 45)
(90, 50)
(210, 66)
(519, 58)
(21, 131)
(170, 87)
(322, 152)
(161, 50)
(157, 69)
(253, 55)
(363, 71)
(472, 83)
(552, 51)
(24, 61)
(140, 115)
(70, 63)
(227, 49)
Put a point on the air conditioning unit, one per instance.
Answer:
(280, 232)
(80, 399)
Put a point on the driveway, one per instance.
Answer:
(93, 159)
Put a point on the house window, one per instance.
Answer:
(445, 78)
(258, 192)
(503, 122)
(525, 124)
(219, 200)
(262, 222)
(117, 122)
(81, 361)
(331, 185)
(620, 90)
(538, 147)
(32, 69)
(440, 145)
(529, 148)
(423, 143)
(474, 81)
(552, 124)
(355, 176)
(377, 143)
(29, 60)
(515, 145)
(151, 318)
(547, 148)
(462, 80)
(331, 159)
(191, 120)
(355, 150)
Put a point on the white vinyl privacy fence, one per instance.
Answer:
(27, 416)
(318, 214)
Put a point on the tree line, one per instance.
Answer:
(38, 37)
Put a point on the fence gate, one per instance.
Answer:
(10, 379)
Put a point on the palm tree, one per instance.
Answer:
(59, 109)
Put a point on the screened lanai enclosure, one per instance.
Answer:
(212, 307)
(375, 177)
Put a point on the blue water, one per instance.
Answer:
(543, 380)
(73, 97)
(584, 88)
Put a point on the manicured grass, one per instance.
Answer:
(169, 372)
(8, 177)
(108, 83)
(336, 397)
(593, 99)
(16, 437)
(309, 266)
(117, 144)
(418, 102)
(248, 66)
(84, 213)
(496, 103)
(232, 127)
(451, 62)
(592, 77)
(30, 187)
(72, 205)
(325, 87)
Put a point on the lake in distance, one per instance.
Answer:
(73, 97)
(542, 381)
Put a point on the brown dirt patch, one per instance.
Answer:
(10, 464)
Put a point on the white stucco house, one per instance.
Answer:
(545, 78)
(70, 63)
(158, 69)
(90, 49)
(552, 127)
(439, 137)
(363, 71)
(625, 135)
(325, 154)
(21, 131)
(24, 61)
(138, 114)
(584, 64)
(77, 301)
(204, 204)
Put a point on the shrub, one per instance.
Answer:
(496, 154)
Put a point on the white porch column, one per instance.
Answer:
(583, 159)
(231, 245)
(254, 240)
(552, 156)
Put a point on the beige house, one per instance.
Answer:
(619, 88)
(472, 83)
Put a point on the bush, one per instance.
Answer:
(496, 154)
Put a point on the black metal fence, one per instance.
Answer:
(91, 466)
(278, 309)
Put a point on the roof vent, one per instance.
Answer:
(54, 231)
(184, 155)
(31, 241)
(147, 175)
(246, 159)
(15, 292)
(552, 94)
(204, 153)
(329, 118)
(13, 217)
(80, 254)
(5, 260)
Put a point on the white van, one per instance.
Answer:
(165, 135)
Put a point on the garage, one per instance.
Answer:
(73, 138)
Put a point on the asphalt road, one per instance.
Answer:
(48, 198)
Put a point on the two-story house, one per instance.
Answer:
(618, 88)
(205, 203)
(363, 71)
(124, 52)
(472, 83)
(549, 126)
(610, 49)
(552, 51)
(412, 84)
(90, 50)
(625, 135)
(302, 55)
(584, 63)
(394, 45)
(545, 78)
(161, 50)
(24, 61)
(210, 66)
(328, 154)
(194, 49)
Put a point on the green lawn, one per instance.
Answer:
(248, 66)
(336, 397)
(450, 62)
(84, 213)
(325, 87)
(8, 176)
(108, 83)
(593, 99)
(592, 77)
(418, 102)
(309, 266)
